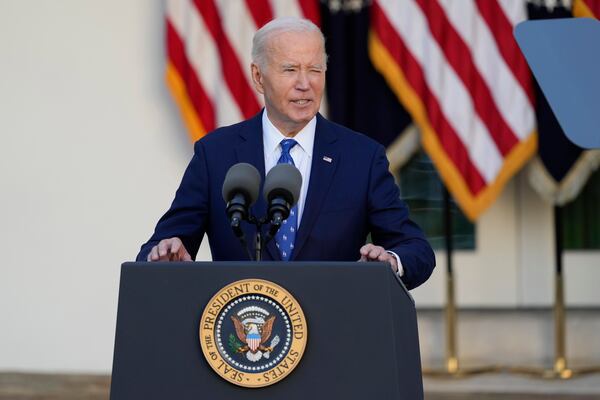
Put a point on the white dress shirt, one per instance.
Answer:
(302, 154)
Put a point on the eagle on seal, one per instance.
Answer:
(253, 334)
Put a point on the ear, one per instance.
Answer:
(257, 78)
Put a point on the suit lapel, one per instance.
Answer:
(324, 163)
(250, 149)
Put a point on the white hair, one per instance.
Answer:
(279, 25)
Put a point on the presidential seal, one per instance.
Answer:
(253, 333)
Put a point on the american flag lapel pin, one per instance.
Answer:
(328, 159)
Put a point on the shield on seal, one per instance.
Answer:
(253, 340)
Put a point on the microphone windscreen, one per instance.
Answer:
(243, 178)
(283, 180)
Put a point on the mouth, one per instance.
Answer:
(301, 102)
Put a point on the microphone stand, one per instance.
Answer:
(259, 242)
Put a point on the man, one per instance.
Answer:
(347, 191)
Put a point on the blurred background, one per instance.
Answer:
(100, 102)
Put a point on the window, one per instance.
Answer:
(422, 190)
(581, 218)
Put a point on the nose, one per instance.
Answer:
(302, 83)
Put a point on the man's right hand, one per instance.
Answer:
(171, 249)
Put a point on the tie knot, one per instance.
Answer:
(286, 145)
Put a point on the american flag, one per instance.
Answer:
(457, 69)
(208, 50)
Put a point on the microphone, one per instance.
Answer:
(240, 191)
(281, 190)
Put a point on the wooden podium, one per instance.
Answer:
(362, 332)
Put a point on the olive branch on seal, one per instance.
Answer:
(233, 343)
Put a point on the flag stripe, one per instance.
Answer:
(502, 29)
(459, 57)
(239, 28)
(310, 10)
(199, 48)
(513, 10)
(232, 71)
(446, 135)
(197, 96)
(594, 6)
(260, 10)
(508, 95)
(286, 9)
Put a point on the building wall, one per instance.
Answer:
(514, 261)
(92, 151)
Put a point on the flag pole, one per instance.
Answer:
(451, 354)
(452, 367)
(560, 362)
(561, 369)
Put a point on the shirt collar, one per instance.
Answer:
(272, 136)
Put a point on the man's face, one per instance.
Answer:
(293, 79)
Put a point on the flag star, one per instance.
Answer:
(291, 246)
(284, 237)
(284, 254)
(285, 221)
(292, 212)
(292, 229)
(277, 244)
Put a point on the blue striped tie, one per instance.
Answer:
(286, 234)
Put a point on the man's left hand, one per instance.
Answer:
(370, 252)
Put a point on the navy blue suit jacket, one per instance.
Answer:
(348, 198)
